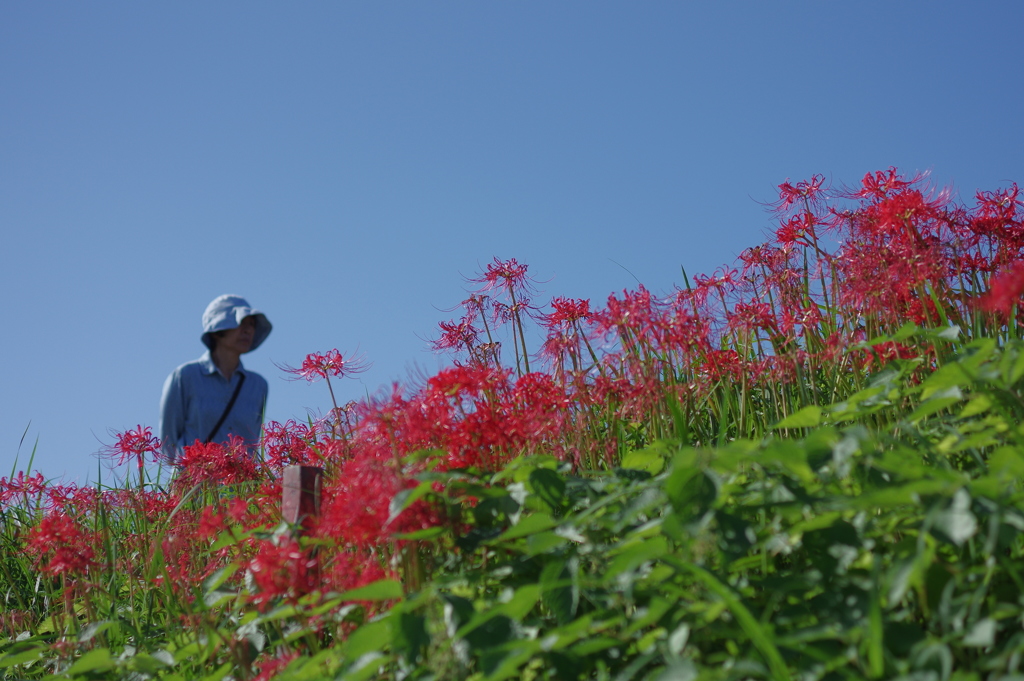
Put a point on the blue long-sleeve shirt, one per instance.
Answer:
(194, 397)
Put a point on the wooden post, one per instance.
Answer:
(300, 495)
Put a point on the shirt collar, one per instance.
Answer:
(209, 368)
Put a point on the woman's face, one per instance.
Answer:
(240, 338)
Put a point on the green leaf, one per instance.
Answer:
(543, 542)
(89, 631)
(977, 353)
(982, 634)
(365, 667)
(876, 630)
(371, 637)
(148, 664)
(531, 524)
(1007, 462)
(978, 405)
(750, 625)
(96, 660)
(549, 486)
(634, 555)
(381, 590)
(495, 509)
(649, 460)
(420, 535)
(506, 665)
(593, 644)
(222, 575)
(277, 614)
(1014, 372)
(410, 634)
(406, 498)
(691, 493)
(947, 376)
(522, 601)
(906, 331)
(808, 417)
(957, 522)
(213, 599)
(30, 655)
(950, 333)
(230, 538)
(493, 626)
(939, 400)
(488, 630)
(897, 495)
(219, 673)
(645, 617)
(559, 593)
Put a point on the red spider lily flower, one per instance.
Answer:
(238, 510)
(883, 183)
(352, 569)
(456, 336)
(211, 523)
(751, 316)
(725, 364)
(464, 379)
(291, 443)
(60, 546)
(559, 347)
(1002, 203)
(156, 504)
(134, 445)
(567, 311)
(722, 281)
(999, 214)
(213, 462)
(475, 304)
(281, 570)
(804, 191)
(21, 488)
(904, 215)
(796, 230)
(357, 507)
(63, 496)
(505, 274)
(319, 365)
(539, 408)
(503, 313)
(270, 668)
(636, 312)
(1006, 290)
(883, 353)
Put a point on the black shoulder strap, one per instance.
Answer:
(227, 409)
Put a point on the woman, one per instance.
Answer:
(215, 397)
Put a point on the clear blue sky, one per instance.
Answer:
(344, 165)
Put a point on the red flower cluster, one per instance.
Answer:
(60, 545)
(1007, 290)
(507, 275)
(281, 569)
(212, 462)
(22, 489)
(319, 365)
(134, 445)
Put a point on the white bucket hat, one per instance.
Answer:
(227, 312)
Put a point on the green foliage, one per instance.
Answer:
(851, 552)
(879, 537)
